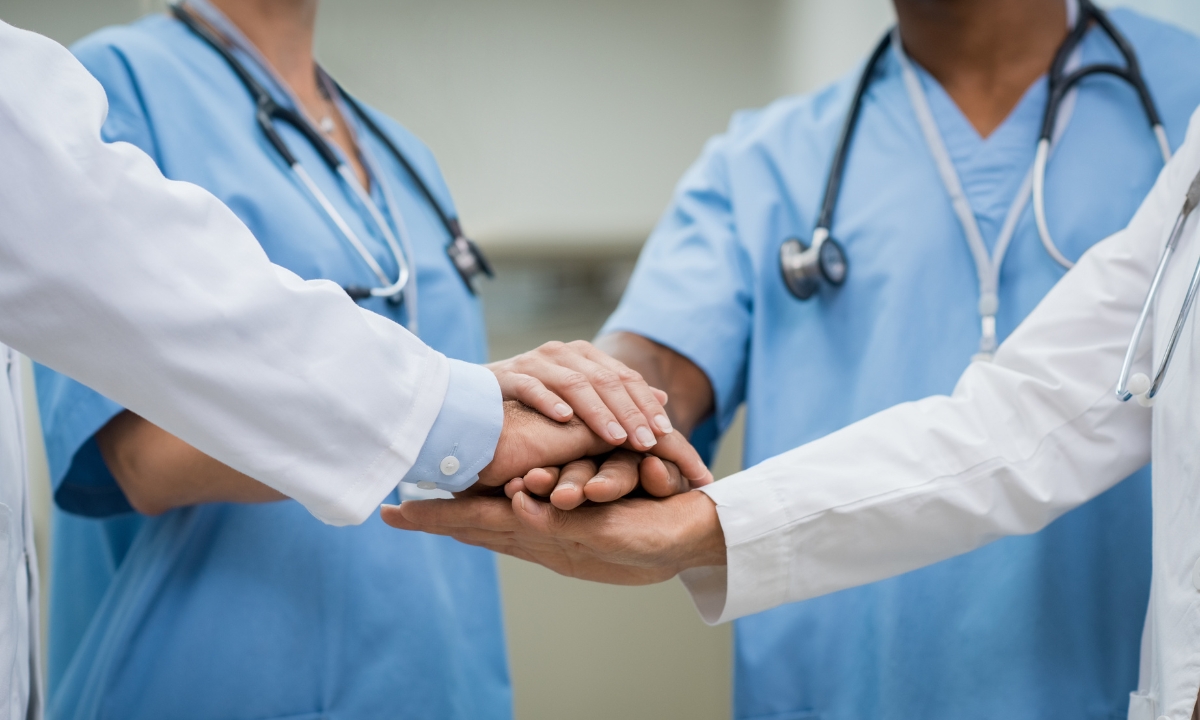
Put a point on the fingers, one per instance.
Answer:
(442, 516)
(612, 399)
(676, 449)
(529, 440)
(617, 477)
(660, 478)
(534, 393)
(541, 481)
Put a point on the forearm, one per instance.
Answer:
(687, 386)
(158, 472)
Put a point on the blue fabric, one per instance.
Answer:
(463, 430)
(1046, 626)
(260, 611)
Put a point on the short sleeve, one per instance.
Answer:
(72, 413)
(692, 289)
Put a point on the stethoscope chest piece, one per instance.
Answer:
(806, 267)
(469, 260)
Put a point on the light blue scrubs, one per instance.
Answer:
(261, 611)
(1046, 626)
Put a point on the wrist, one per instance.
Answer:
(702, 539)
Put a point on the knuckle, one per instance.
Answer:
(576, 381)
(629, 375)
(528, 384)
(553, 347)
(606, 379)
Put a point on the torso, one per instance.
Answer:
(286, 616)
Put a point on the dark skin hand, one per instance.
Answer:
(629, 542)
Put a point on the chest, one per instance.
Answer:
(204, 130)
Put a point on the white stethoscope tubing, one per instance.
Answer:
(1039, 192)
(987, 265)
(389, 237)
(1140, 385)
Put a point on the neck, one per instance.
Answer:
(985, 53)
(283, 32)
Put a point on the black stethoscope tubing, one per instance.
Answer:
(467, 257)
(804, 267)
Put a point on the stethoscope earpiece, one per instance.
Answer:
(805, 267)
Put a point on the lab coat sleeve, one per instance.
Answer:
(153, 293)
(1021, 441)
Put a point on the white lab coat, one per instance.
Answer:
(1022, 440)
(155, 294)
(19, 686)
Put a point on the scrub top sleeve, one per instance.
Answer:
(71, 415)
(692, 289)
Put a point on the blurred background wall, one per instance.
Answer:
(562, 126)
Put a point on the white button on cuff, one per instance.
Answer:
(450, 465)
(427, 485)
(1196, 575)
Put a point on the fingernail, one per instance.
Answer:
(663, 424)
(530, 506)
(645, 437)
(616, 431)
(563, 410)
(598, 480)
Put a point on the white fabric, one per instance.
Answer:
(1021, 441)
(19, 683)
(153, 293)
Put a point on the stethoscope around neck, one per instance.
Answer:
(806, 267)
(466, 256)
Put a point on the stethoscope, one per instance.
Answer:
(807, 266)
(1140, 385)
(466, 256)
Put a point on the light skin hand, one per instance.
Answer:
(530, 440)
(692, 401)
(628, 542)
(562, 380)
(158, 472)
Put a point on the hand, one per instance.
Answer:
(562, 380)
(530, 440)
(603, 480)
(630, 542)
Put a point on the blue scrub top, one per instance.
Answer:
(1045, 626)
(261, 611)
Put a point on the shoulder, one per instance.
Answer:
(120, 48)
(799, 127)
(1170, 61)
(1153, 36)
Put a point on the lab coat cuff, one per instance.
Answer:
(462, 441)
(755, 576)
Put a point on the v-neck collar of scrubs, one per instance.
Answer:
(377, 193)
(972, 150)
